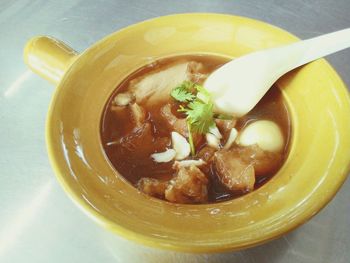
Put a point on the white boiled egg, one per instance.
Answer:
(266, 134)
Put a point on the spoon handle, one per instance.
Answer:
(238, 86)
(317, 47)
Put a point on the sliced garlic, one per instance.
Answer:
(123, 99)
(266, 134)
(180, 145)
(215, 131)
(212, 140)
(187, 163)
(164, 157)
(231, 138)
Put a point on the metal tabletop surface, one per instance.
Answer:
(38, 222)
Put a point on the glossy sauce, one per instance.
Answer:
(134, 162)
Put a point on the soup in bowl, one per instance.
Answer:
(309, 106)
(161, 132)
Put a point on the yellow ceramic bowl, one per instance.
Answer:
(315, 169)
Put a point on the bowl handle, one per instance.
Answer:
(48, 57)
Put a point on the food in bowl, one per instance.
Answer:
(160, 131)
(318, 150)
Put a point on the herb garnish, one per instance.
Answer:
(197, 106)
(182, 92)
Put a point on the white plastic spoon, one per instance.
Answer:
(238, 86)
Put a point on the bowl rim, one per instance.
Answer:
(153, 241)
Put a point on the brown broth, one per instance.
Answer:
(134, 164)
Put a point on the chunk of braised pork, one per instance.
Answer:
(152, 187)
(206, 154)
(225, 126)
(156, 86)
(264, 162)
(179, 125)
(141, 142)
(174, 123)
(233, 172)
(195, 72)
(190, 185)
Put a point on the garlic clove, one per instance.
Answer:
(231, 138)
(164, 157)
(215, 131)
(187, 163)
(212, 140)
(180, 145)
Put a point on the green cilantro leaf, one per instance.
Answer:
(197, 106)
(200, 116)
(182, 92)
(190, 139)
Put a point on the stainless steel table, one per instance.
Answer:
(38, 223)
